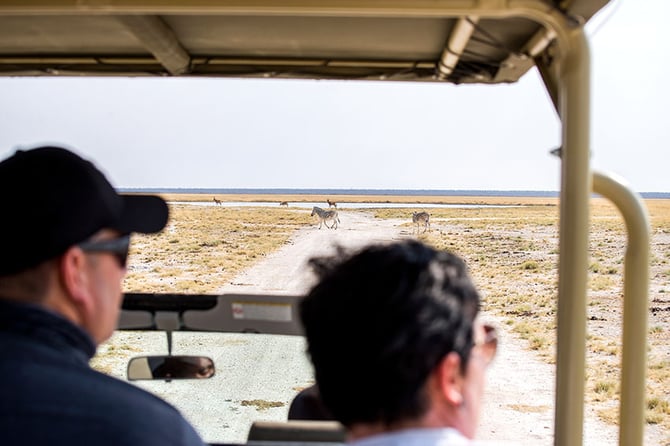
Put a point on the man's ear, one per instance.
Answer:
(449, 379)
(75, 279)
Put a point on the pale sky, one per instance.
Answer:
(232, 133)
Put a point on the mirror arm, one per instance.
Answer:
(168, 321)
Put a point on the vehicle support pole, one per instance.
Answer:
(574, 101)
(635, 306)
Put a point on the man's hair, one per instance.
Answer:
(30, 285)
(379, 321)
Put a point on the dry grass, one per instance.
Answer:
(204, 247)
(262, 404)
(512, 252)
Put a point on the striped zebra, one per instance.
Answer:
(324, 216)
(421, 218)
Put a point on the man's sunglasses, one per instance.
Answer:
(118, 247)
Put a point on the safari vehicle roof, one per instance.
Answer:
(411, 40)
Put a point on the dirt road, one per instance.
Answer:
(519, 400)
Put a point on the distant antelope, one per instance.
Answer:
(283, 203)
(331, 204)
(216, 201)
(325, 216)
(421, 218)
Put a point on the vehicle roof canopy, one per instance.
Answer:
(457, 41)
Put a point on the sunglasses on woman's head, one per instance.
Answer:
(488, 343)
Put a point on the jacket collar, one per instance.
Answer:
(46, 327)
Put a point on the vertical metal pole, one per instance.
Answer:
(635, 306)
(574, 101)
(634, 355)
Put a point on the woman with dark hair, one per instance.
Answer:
(398, 353)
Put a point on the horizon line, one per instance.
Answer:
(363, 191)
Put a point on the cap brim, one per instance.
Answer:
(146, 214)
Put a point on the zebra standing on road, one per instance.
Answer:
(324, 216)
(421, 218)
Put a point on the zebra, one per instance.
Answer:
(331, 204)
(324, 216)
(421, 218)
(283, 203)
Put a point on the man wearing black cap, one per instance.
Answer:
(62, 262)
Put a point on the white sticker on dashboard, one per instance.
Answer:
(262, 311)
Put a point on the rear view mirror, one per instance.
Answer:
(170, 367)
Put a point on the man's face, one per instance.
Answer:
(106, 273)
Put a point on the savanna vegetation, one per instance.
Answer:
(512, 253)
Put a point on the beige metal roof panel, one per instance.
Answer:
(316, 37)
(65, 35)
(454, 41)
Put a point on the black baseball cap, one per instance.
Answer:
(52, 199)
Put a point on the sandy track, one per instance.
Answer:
(285, 271)
(519, 400)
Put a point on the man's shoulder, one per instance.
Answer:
(81, 391)
(113, 392)
(83, 404)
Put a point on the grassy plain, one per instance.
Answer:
(512, 252)
(203, 248)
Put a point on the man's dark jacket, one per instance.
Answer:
(50, 396)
